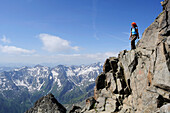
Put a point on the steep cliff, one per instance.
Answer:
(138, 80)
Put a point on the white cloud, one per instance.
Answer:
(56, 44)
(126, 33)
(14, 50)
(100, 56)
(69, 59)
(5, 40)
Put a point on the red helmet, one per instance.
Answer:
(133, 23)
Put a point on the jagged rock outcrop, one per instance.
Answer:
(47, 104)
(138, 81)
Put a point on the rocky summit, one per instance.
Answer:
(138, 81)
(47, 104)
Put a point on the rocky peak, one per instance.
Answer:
(158, 31)
(47, 104)
(138, 80)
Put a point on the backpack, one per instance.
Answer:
(135, 28)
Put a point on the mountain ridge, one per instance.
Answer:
(67, 83)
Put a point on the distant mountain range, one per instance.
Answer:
(6, 68)
(21, 87)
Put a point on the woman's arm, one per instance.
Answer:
(130, 34)
(137, 33)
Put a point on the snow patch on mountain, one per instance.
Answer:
(70, 72)
(59, 83)
(87, 70)
(92, 79)
(20, 83)
(40, 86)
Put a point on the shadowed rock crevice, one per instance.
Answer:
(167, 55)
(100, 81)
(162, 101)
(163, 87)
(133, 64)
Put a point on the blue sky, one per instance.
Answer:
(69, 32)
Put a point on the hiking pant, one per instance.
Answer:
(134, 37)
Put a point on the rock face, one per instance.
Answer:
(138, 81)
(47, 104)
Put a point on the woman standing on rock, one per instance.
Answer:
(134, 35)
